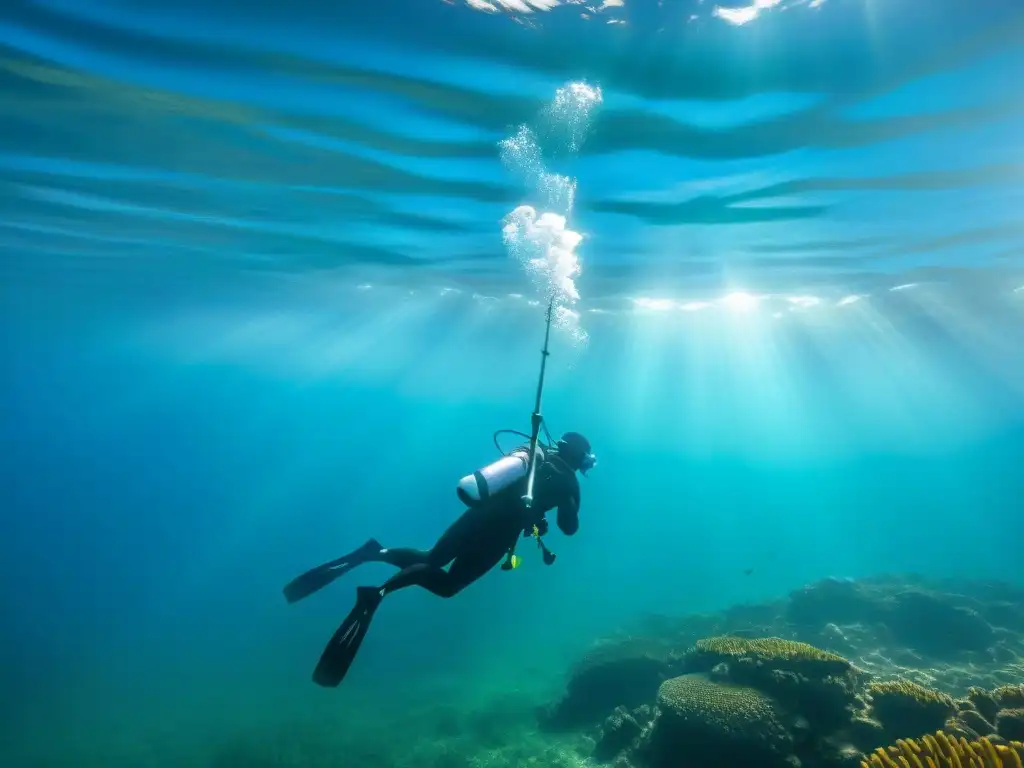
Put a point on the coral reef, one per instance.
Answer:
(776, 651)
(979, 631)
(914, 614)
(826, 678)
(702, 721)
(903, 706)
(749, 701)
(620, 673)
(818, 684)
(944, 634)
(838, 674)
(940, 751)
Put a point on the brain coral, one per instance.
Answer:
(712, 718)
(816, 684)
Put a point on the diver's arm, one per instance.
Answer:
(569, 515)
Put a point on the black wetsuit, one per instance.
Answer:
(483, 535)
(475, 543)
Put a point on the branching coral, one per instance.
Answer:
(940, 751)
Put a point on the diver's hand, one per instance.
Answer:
(542, 529)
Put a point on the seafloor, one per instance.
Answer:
(894, 671)
(891, 671)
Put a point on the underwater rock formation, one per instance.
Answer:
(984, 702)
(1009, 696)
(914, 616)
(946, 634)
(1010, 724)
(620, 731)
(838, 601)
(931, 623)
(624, 673)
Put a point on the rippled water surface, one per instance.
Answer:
(841, 175)
(832, 149)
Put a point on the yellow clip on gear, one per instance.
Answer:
(513, 560)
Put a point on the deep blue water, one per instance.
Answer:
(256, 307)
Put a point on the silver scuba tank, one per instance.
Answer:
(485, 483)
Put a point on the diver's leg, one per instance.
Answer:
(466, 570)
(473, 557)
(340, 652)
(337, 657)
(431, 578)
(452, 541)
(404, 557)
(459, 534)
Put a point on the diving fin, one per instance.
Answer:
(341, 651)
(317, 578)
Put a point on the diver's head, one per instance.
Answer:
(574, 450)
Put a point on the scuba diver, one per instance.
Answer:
(504, 500)
(503, 503)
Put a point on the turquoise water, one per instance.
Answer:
(257, 307)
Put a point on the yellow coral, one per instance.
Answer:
(941, 751)
(910, 690)
(767, 649)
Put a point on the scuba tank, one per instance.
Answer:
(485, 483)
